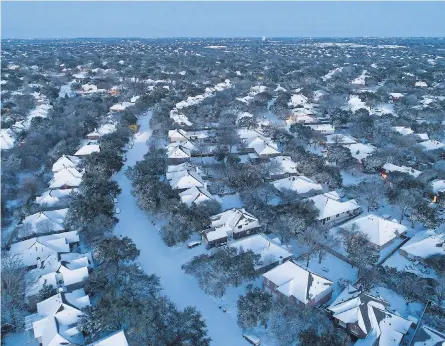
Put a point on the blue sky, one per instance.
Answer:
(221, 19)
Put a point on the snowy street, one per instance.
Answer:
(166, 262)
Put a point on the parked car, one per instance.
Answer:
(253, 340)
(117, 211)
(192, 244)
(115, 200)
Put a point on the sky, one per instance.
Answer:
(66, 19)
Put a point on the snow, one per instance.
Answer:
(116, 339)
(355, 103)
(166, 262)
(216, 47)
(331, 73)
(421, 84)
(231, 201)
(6, 139)
(329, 206)
(432, 145)
(22, 338)
(300, 184)
(403, 130)
(253, 91)
(360, 80)
(360, 151)
(389, 167)
(65, 90)
(438, 185)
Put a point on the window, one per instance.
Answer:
(343, 324)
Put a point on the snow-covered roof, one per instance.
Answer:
(337, 138)
(65, 161)
(182, 134)
(330, 205)
(56, 319)
(185, 180)
(55, 217)
(233, 217)
(298, 184)
(282, 165)
(432, 145)
(360, 151)
(295, 281)
(389, 167)
(423, 136)
(425, 244)
(379, 230)
(115, 339)
(396, 95)
(6, 139)
(106, 129)
(53, 197)
(427, 336)
(258, 142)
(68, 176)
(322, 127)
(420, 84)
(370, 315)
(403, 130)
(259, 244)
(119, 107)
(195, 195)
(88, 149)
(38, 248)
(438, 186)
(179, 150)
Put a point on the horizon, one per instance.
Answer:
(157, 20)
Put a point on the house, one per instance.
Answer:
(432, 145)
(437, 188)
(44, 222)
(66, 161)
(106, 129)
(67, 178)
(298, 184)
(381, 232)
(396, 96)
(324, 129)
(405, 131)
(420, 84)
(423, 245)
(173, 170)
(53, 198)
(120, 107)
(233, 223)
(94, 136)
(179, 151)
(256, 143)
(337, 138)
(33, 251)
(87, 149)
(183, 180)
(115, 339)
(389, 168)
(178, 135)
(64, 272)
(427, 336)
(55, 322)
(270, 253)
(195, 195)
(281, 167)
(367, 317)
(331, 208)
(301, 286)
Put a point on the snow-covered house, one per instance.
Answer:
(233, 223)
(360, 151)
(337, 138)
(64, 272)
(421, 84)
(180, 135)
(173, 170)
(255, 142)
(331, 208)
(423, 245)
(270, 253)
(381, 232)
(88, 149)
(115, 339)
(432, 144)
(298, 184)
(301, 286)
(55, 322)
(437, 188)
(179, 151)
(35, 250)
(183, 180)
(427, 336)
(66, 178)
(389, 168)
(94, 136)
(396, 96)
(195, 195)
(57, 197)
(120, 107)
(324, 129)
(367, 318)
(65, 161)
(405, 131)
(44, 222)
(281, 167)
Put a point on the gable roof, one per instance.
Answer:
(425, 244)
(185, 179)
(232, 218)
(293, 280)
(115, 339)
(427, 336)
(65, 161)
(56, 217)
(300, 184)
(282, 165)
(379, 230)
(88, 149)
(52, 197)
(402, 169)
(69, 176)
(195, 195)
(329, 205)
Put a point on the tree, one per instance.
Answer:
(405, 199)
(340, 155)
(359, 248)
(254, 307)
(115, 251)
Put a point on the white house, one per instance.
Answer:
(64, 273)
(432, 145)
(233, 223)
(331, 208)
(380, 231)
(172, 170)
(178, 152)
(66, 178)
(88, 149)
(427, 336)
(55, 322)
(256, 142)
(65, 161)
(405, 131)
(298, 184)
(195, 195)
(270, 253)
(423, 245)
(324, 129)
(33, 251)
(55, 197)
(178, 135)
(115, 339)
(281, 167)
(367, 318)
(360, 151)
(182, 180)
(45, 222)
(389, 167)
(301, 286)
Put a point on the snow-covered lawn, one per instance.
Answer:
(166, 262)
(19, 339)
(230, 201)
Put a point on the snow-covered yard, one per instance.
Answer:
(166, 262)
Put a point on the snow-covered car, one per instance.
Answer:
(251, 339)
(115, 200)
(117, 211)
(192, 244)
